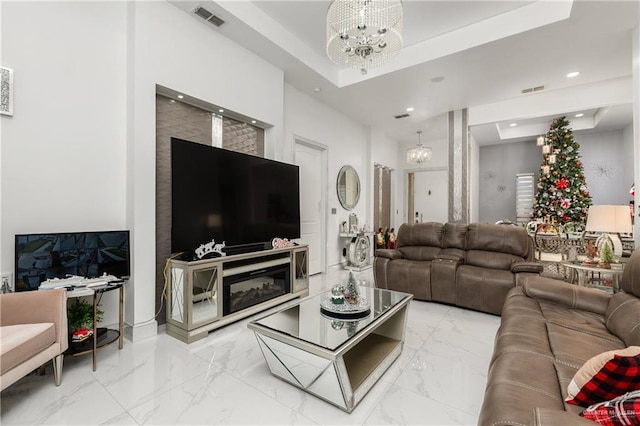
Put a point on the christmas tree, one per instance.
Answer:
(562, 196)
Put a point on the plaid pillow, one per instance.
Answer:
(623, 410)
(606, 376)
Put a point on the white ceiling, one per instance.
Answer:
(487, 52)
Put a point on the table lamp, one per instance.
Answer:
(610, 221)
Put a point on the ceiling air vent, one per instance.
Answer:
(533, 89)
(405, 115)
(208, 16)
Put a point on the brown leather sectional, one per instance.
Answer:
(473, 266)
(549, 329)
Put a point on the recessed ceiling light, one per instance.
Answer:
(253, 121)
(317, 90)
(410, 109)
(180, 96)
(220, 110)
(573, 74)
(513, 124)
(579, 115)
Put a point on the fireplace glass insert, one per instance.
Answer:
(247, 289)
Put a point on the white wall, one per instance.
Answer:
(347, 143)
(64, 150)
(79, 152)
(603, 157)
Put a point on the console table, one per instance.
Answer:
(207, 294)
(582, 269)
(101, 337)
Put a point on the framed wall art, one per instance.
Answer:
(6, 91)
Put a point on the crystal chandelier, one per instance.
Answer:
(364, 33)
(419, 154)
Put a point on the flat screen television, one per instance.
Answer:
(56, 255)
(226, 196)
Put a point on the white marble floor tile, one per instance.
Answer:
(216, 399)
(402, 407)
(79, 400)
(137, 374)
(445, 380)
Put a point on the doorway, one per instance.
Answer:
(311, 157)
(428, 196)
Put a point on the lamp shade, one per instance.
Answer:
(607, 218)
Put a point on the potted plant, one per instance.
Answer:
(80, 319)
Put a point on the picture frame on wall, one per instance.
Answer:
(6, 91)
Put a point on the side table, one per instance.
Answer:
(103, 337)
(581, 270)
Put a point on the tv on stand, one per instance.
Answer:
(229, 197)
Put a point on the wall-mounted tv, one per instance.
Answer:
(235, 198)
(56, 255)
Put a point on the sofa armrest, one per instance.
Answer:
(533, 267)
(31, 307)
(389, 254)
(571, 295)
(548, 417)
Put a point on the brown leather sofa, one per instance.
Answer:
(473, 266)
(548, 330)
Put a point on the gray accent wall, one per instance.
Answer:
(603, 155)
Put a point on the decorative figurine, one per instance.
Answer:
(380, 239)
(351, 290)
(591, 250)
(337, 294)
(606, 256)
(391, 244)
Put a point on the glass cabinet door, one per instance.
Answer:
(300, 269)
(204, 298)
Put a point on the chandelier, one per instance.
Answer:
(419, 154)
(364, 33)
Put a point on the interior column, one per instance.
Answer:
(458, 140)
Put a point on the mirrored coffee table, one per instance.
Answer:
(336, 359)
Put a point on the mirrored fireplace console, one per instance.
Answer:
(206, 294)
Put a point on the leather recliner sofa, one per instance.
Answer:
(472, 266)
(548, 330)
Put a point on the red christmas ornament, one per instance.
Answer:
(562, 184)
(578, 163)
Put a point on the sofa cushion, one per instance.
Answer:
(420, 234)
(491, 259)
(454, 235)
(482, 289)
(419, 252)
(606, 376)
(622, 318)
(499, 238)
(22, 341)
(410, 276)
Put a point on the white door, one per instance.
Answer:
(431, 199)
(312, 162)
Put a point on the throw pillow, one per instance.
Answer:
(623, 410)
(606, 376)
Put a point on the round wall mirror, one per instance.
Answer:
(348, 187)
